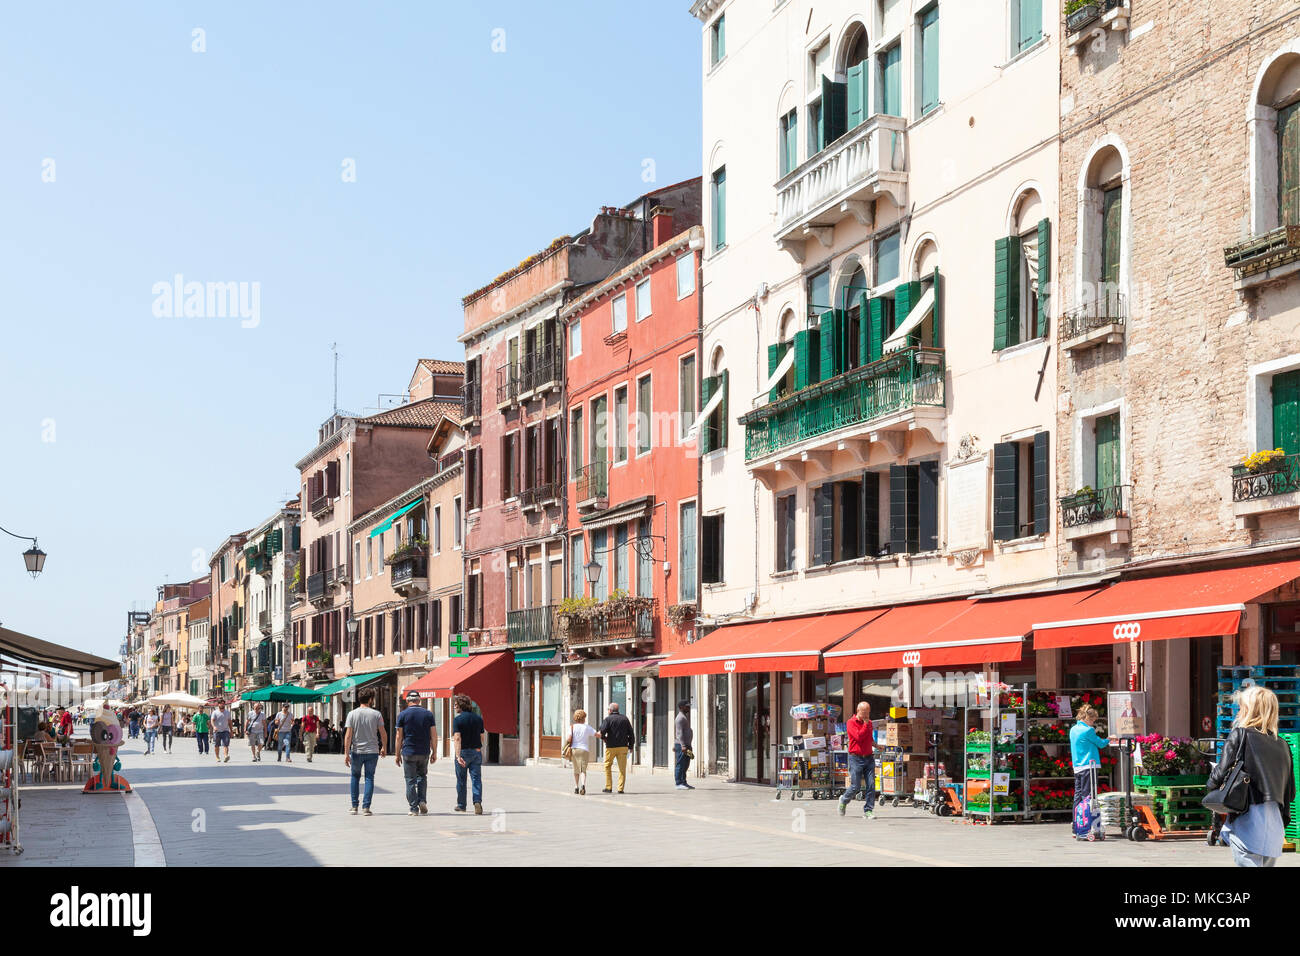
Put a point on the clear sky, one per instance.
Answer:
(130, 443)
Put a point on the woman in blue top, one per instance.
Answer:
(1085, 754)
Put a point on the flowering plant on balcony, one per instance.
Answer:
(679, 614)
(1264, 460)
(295, 579)
(412, 549)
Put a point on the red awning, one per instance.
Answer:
(487, 679)
(901, 638)
(785, 644)
(1199, 604)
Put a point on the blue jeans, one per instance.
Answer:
(862, 779)
(366, 763)
(416, 771)
(284, 744)
(203, 742)
(680, 765)
(150, 738)
(474, 770)
(135, 728)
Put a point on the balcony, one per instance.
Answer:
(409, 574)
(264, 621)
(1100, 323)
(321, 506)
(264, 565)
(539, 495)
(1092, 513)
(901, 392)
(471, 400)
(1271, 486)
(606, 626)
(593, 485)
(1260, 259)
(507, 385)
(531, 626)
(317, 583)
(540, 371)
(1084, 24)
(842, 180)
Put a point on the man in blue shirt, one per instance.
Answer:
(467, 734)
(415, 751)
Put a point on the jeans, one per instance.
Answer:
(150, 738)
(203, 742)
(680, 764)
(862, 779)
(366, 763)
(285, 749)
(135, 729)
(416, 770)
(474, 770)
(1243, 857)
(167, 738)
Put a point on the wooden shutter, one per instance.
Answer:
(800, 360)
(927, 505)
(856, 95)
(1107, 450)
(708, 550)
(297, 538)
(332, 479)
(1288, 169)
(870, 513)
(825, 523)
(773, 360)
(1006, 292)
(720, 208)
(902, 509)
(834, 110)
(1044, 272)
(930, 60)
(876, 331)
(1112, 206)
(1286, 412)
(1006, 490)
(849, 502)
(827, 330)
(788, 517)
(1042, 486)
(1031, 24)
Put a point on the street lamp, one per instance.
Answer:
(352, 637)
(33, 557)
(593, 571)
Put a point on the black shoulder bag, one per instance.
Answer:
(1233, 795)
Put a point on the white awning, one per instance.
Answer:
(709, 408)
(924, 306)
(886, 287)
(774, 379)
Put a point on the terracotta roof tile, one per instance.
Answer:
(440, 367)
(425, 413)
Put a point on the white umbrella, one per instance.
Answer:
(179, 699)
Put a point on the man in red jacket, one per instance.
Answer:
(862, 763)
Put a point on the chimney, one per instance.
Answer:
(661, 219)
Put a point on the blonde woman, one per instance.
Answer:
(581, 736)
(1256, 835)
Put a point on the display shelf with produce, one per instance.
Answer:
(1051, 771)
(997, 758)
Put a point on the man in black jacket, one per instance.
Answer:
(616, 732)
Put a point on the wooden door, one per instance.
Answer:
(1286, 412)
(552, 718)
(1107, 446)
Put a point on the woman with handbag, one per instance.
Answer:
(578, 749)
(1254, 781)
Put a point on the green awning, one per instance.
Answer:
(346, 683)
(534, 654)
(388, 522)
(284, 693)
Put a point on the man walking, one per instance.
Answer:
(862, 763)
(310, 728)
(682, 747)
(467, 742)
(415, 751)
(133, 719)
(616, 732)
(364, 742)
(284, 735)
(256, 731)
(221, 732)
(201, 729)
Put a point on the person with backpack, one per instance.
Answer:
(1255, 833)
(1086, 743)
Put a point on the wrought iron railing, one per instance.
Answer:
(471, 400)
(905, 379)
(507, 384)
(593, 481)
(1109, 309)
(316, 584)
(532, 625)
(615, 625)
(541, 368)
(321, 505)
(1084, 15)
(531, 497)
(264, 620)
(1279, 477)
(1085, 507)
(408, 569)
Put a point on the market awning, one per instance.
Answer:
(487, 679)
(388, 522)
(639, 663)
(997, 621)
(39, 653)
(534, 654)
(785, 644)
(1198, 604)
(350, 682)
(900, 637)
(622, 514)
(285, 693)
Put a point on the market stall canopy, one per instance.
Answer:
(178, 699)
(487, 679)
(754, 647)
(350, 682)
(899, 637)
(285, 693)
(32, 650)
(1194, 604)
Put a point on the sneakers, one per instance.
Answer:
(843, 807)
(424, 809)
(583, 789)
(352, 810)
(682, 786)
(868, 814)
(227, 760)
(413, 813)
(478, 809)
(459, 809)
(365, 812)
(607, 790)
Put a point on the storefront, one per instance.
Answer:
(488, 680)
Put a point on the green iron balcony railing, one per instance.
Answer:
(1278, 477)
(1090, 505)
(910, 377)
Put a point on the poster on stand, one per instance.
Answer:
(1126, 712)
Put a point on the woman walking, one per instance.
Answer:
(167, 724)
(581, 737)
(1256, 835)
(1085, 753)
(151, 722)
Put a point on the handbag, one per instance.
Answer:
(1233, 795)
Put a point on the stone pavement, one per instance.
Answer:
(242, 813)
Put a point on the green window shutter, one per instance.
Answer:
(1006, 490)
(1288, 169)
(1107, 451)
(891, 81)
(1006, 292)
(857, 95)
(800, 360)
(720, 208)
(825, 524)
(774, 353)
(827, 329)
(938, 311)
(876, 332)
(1042, 490)
(722, 411)
(297, 538)
(814, 356)
(864, 329)
(1044, 274)
(1112, 206)
(929, 59)
(927, 505)
(1031, 24)
(1286, 412)
(707, 387)
(905, 298)
(834, 110)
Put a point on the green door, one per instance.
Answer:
(1111, 207)
(1286, 412)
(1107, 446)
(1288, 165)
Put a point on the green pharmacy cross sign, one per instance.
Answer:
(458, 645)
(230, 684)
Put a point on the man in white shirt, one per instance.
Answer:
(221, 732)
(284, 735)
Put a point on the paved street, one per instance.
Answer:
(243, 813)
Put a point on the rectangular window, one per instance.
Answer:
(1285, 392)
(575, 338)
(789, 141)
(819, 293)
(600, 554)
(457, 523)
(1026, 24)
(1288, 160)
(816, 128)
(644, 414)
(1106, 448)
(357, 568)
(785, 533)
(619, 314)
(642, 299)
(686, 584)
(620, 558)
(509, 465)
(718, 40)
(887, 259)
(370, 558)
(889, 99)
(645, 560)
(1021, 493)
(437, 529)
(685, 274)
(719, 191)
(620, 424)
(575, 441)
(577, 572)
(929, 23)
(1112, 205)
(686, 394)
(711, 541)
(599, 443)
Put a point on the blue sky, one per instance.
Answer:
(131, 441)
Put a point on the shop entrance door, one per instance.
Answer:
(552, 717)
(755, 720)
(662, 707)
(598, 715)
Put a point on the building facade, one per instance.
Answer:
(225, 613)
(271, 554)
(198, 676)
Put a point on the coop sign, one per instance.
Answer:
(911, 658)
(729, 666)
(1128, 631)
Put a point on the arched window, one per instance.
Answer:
(1103, 246)
(857, 72)
(780, 357)
(713, 393)
(1274, 124)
